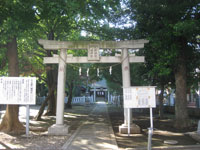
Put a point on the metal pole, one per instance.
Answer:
(129, 122)
(150, 130)
(151, 117)
(27, 120)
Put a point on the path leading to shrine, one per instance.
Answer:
(95, 133)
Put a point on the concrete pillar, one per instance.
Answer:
(127, 83)
(61, 87)
(59, 128)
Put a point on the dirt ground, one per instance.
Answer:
(39, 139)
(163, 130)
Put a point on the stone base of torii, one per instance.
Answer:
(93, 57)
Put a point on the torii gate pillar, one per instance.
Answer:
(127, 83)
(59, 128)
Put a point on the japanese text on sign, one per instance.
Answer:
(17, 90)
(139, 97)
(93, 52)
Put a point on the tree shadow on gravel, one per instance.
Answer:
(163, 130)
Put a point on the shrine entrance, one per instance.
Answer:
(99, 90)
(101, 94)
(93, 57)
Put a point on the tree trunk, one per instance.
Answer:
(51, 81)
(39, 115)
(181, 114)
(10, 122)
(161, 102)
(51, 110)
(44, 104)
(51, 98)
(69, 102)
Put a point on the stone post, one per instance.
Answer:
(108, 97)
(127, 83)
(199, 96)
(59, 128)
(95, 94)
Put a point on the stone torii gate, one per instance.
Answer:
(93, 57)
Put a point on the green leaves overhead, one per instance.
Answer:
(172, 28)
(17, 16)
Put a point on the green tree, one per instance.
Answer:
(172, 28)
(16, 18)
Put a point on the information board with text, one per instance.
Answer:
(139, 97)
(18, 90)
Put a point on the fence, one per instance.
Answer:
(115, 100)
(40, 100)
(81, 100)
(75, 100)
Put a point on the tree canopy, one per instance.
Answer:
(173, 29)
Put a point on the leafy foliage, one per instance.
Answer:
(172, 28)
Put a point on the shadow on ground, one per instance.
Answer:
(164, 130)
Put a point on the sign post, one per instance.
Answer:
(150, 130)
(27, 120)
(18, 91)
(129, 122)
(140, 97)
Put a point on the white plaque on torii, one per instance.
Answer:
(93, 52)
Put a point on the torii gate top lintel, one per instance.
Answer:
(56, 45)
(93, 50)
